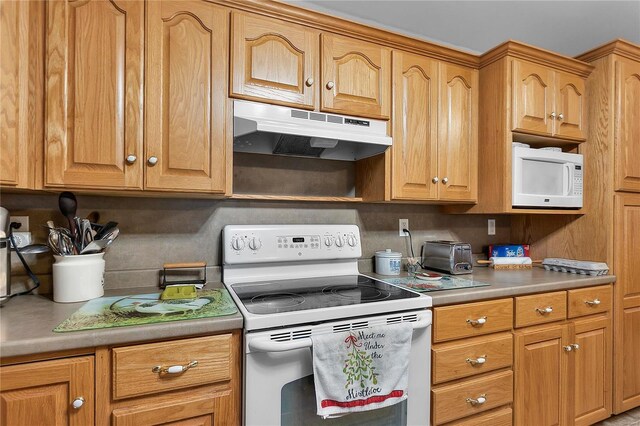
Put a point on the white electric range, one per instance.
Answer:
(294, 281)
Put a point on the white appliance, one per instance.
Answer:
(546, 178)
(271, 129)
(294, 281)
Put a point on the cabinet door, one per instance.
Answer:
(20, 25)
(415, 137)
(356, 77)
(94, 93)
(200, 409)
(458, 133)
(42, 393)
(186, 95)
(541, 374)
(532, 98)
(627, 125)
(627, 302)
(569, 106)
(592, 385)
(273, 61)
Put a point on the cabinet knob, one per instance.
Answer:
(309, 82)
(445, 180)
(544, 311)
(477, 322)
(552, 115)
(78, 402)
(330, 85)
(478, 361)
(152, 161)
(567, 348)
(592, 303)
(131, 159)
(575, 346)
(477, 401)
(435, 180)
(174, 369)
(560, 116)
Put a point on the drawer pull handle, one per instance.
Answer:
(544, 311)
(477, 401)
(478, 361)
(592, 303)
(477, 322)
(174, 369)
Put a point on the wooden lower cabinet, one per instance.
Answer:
(44, 393)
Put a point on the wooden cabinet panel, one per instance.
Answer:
(41, 393)
(569, 106)
(451, 402)
(627, 241)
(532, 101)
(356, 77)
(458, 133)
(541, 308)
(186, 92)
(629, 349)
(94, 93)
(469, 357)
(627, 125)
(415, 110)
(589, 301)
(592, 384)
(273, 61)
(498, 417)
(132, 365)
(541, 376)
(472, 319)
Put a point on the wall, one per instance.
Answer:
(155, 231)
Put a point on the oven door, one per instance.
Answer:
(278, 376)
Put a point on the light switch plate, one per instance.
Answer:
(491, 227)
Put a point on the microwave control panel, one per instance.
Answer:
(577, 180)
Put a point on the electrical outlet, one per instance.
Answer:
(22, 238)
(403, 224)
(23, 221)
(491, 227)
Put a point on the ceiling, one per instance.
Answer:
(567, 27)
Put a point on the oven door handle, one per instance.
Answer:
(267, 345)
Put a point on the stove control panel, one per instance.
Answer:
(284, 243)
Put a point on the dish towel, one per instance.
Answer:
(361, 370)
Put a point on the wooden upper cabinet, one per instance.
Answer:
(186, 81)
(274, 61)
(356, 77)
(458, 133)
(415, 111)
(627, 125)
(42, 393)
(532, 97)
(570, 105)
(94, 84)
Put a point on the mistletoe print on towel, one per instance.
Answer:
(372, 371)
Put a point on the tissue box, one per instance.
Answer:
(510, 250)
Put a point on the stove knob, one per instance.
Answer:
(339, 241)
(352, 241)
(237, 244)
(255, 244)
(328, 242)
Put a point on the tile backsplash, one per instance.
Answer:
(160, 230)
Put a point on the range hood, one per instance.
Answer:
(270, 129)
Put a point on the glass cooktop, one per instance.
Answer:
(270, 297)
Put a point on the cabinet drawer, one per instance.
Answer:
(474, 356)
(472, 319)
(588, 301)
(133, 366)
(499, 417)
(452, 402)
(541, 308)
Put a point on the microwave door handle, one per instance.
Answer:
(568, 178)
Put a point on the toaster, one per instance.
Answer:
(453, 257)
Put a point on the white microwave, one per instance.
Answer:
(544, 178)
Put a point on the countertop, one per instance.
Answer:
(26, 324)
(508, 283)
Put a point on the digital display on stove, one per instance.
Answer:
(298, 239)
